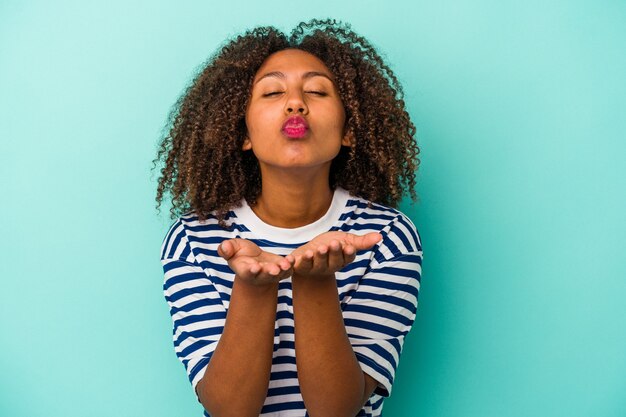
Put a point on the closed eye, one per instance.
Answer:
(319, 93)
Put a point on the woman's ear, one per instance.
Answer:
(348, 139)
(247, 145)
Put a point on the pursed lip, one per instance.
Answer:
(295, 122)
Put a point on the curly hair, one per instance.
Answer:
(204, 167)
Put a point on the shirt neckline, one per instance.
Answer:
(300, 234)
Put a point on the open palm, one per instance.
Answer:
(252, 264)
(330, 252)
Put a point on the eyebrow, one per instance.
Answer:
(308, 74)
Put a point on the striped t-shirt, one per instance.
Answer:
(378, 292)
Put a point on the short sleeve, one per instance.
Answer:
(198, 314)
(381, 311)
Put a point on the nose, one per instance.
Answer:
(295, 102)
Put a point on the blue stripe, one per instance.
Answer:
(362, 295)
(168, 237)
(283, 375)
(174, 264)
(200, 289)
(397, 271)
(358, 227)
(390, 285)
(396, 344)
(199, 366)
(175, 239)
(202, 253)
(272, 408)
(286, 344)
(373, 364)
(284, 285)
(410, 257)
(209, 240)
(285, 329)
(363, 205)
(390, 245)
(194, 218)
(193, 347)
(221, 267)
(184, 277)
(264, 243)
(195, 304)
(377, 404)
(284, 359)
(284, 299)
(413, 233)
(384, 353)
(283, 314)
(272, 392)
(364, 215)
(378, 312)
(186, 252)
(195, 318)
(363, 263)
(362, 324)
(197, 335)
(397, 232)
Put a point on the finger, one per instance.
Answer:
(277, 270)
(349, 253)
(255, 269)
(285, 273)
(305, 261)
(228, 248)
(225, 249)
(271, 268)
(348, 249)
(321, 257)
(248, 271)
(366, 241)
(335, 256)
(285, 264)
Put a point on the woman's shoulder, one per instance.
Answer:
(368, 208)
(400, 234)
(190, 227)
(191, 220)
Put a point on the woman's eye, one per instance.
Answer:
(319, 93)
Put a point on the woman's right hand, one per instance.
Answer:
(253, 265)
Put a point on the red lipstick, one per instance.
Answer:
(295, 127)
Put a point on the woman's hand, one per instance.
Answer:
(329, 252)
(253, 265)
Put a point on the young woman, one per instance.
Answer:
(291, 279)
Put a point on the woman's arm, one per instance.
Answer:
(237, 376)
(236, 379)
(331, 380)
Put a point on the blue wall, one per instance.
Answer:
(520, 114)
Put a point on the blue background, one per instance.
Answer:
(520, 111)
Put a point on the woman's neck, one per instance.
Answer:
(289, 202)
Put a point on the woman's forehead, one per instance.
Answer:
(290, 63)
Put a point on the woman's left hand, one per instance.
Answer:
(330, 252)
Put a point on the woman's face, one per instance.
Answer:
(293, 82)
